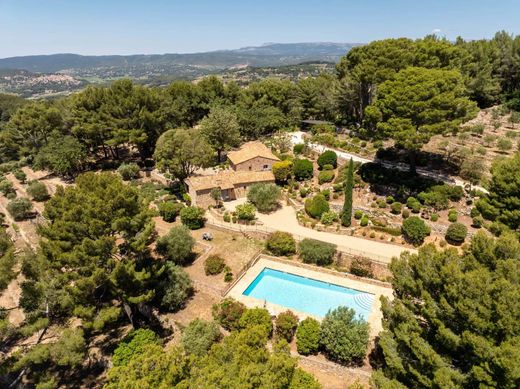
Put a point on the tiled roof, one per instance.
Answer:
(228, 179)
(249, 151)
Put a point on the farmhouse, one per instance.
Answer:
(252, 156)
(251, 164)
(233, 185)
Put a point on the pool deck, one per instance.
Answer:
(374, 318)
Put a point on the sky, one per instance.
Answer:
(96, 27)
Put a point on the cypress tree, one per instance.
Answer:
(346, 214)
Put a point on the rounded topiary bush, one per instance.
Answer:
(325, 176)
(434, 217)
(358, 214)
(396, 207)
(344, 337)
(308, 336)
(452, 216)
(281, 243)
(214, 265)
(285, 325)
(316, 206)
(328, 157)
(456, 233)
(414, 229)
(303, 169)
(364, 221)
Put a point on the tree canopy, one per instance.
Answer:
(454, 318)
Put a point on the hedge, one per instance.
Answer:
(317, 252)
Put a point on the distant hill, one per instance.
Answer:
(273, 54)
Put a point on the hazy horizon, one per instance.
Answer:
(118, 27)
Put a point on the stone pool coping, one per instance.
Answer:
(374, 318)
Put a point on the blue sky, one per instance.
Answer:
(161, 26)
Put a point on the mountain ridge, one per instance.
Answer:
(272, 54)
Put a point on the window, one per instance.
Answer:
(266, 167)
(249, 167)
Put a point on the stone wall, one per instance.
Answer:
(255, 164)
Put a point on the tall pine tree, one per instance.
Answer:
(346, 214)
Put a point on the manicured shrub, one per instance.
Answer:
(337, 188)
(434, 217)
(328, 157)
(344, 337)
(308, 336)
(169, 210)
(381, 203)
(264, 197)
(298, 148)
(20, 208)
(317, 252)
(129, 171)
(329, 217)
(328, 167)
(20, 176)
(245, 212)
(414, 229)
(390, 199)
(405, 213)
(226, 217)
(256, 317)
(192, 217)
(316, 206)
(199, 335)
(177, 245)
(413, 204)
(361, 267)
(135, 343)
(282, 170)
(228, 313)
(396, 207)
(214, 264)
(452, 216)
(364, 221)
(326, 194)
(38, 191)
(456, 233)
(303, 169)
(358, 214)
(477, 221)
(325, 176)
(304, 192)
(281, 243)
(285, 325)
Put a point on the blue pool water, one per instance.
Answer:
(306, 294)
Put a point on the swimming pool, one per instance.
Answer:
(307, 295)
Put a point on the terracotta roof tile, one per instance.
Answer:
(249, 151)
(228, 179)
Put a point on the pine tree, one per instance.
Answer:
(346, 214)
